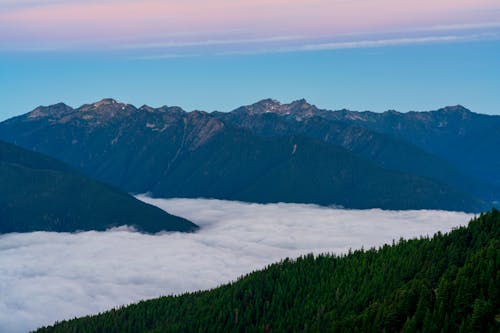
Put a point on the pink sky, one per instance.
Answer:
(113, 22)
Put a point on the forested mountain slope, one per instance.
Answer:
(468, 140)
(351, 131)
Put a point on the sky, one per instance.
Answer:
(46, 277)
(217, 55)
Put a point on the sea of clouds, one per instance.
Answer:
(46, 277)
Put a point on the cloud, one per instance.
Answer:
(91, 24)
(379, 43)
(209, 42)
(461, 26)
(274, 45)
(46, 277)
(370, 43)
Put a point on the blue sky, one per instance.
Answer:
(408, 77)
(362, 55)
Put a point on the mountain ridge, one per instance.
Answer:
(276, 104)
(138, 148)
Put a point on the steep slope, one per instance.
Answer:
(271, 118)
(448, 283)
(172, 153)
(114, 142)
(468, 140)
(240, 166)
(38, 193)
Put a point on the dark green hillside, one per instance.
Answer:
(454, 133)
(237, 165)
(448, 283)
(38, 193)
(300, 118)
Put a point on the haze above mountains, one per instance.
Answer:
(273, 152)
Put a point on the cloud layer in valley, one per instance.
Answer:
(46, 277)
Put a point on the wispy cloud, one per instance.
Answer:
(49, 276)
(133, 24)
(298, 45)
(210, 42)
(324, 46)
(165, 56)
(386, 42)
(461, 26)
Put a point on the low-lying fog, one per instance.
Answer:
(46, 277)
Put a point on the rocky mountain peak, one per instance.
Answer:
(455, 109)
(301, 103)
(53, 111)
(267, 102)
(107, 106)
(147, 108)
(265, 105)
(455, 112)
(300, 106)
(105, 101)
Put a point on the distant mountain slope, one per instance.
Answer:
(172, 153)
(271, 118)
(130, 148)
(38, 193)
(448, 283)
(468, 140)
(240, 166)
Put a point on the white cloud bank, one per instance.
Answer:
(46, 277)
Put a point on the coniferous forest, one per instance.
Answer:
(446, 283)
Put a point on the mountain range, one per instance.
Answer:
(39, 193)
(272, 152)
(423, 153)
